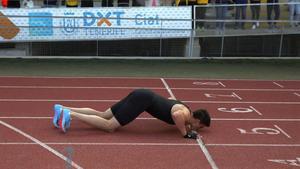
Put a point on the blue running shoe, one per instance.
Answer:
(65, 120)
(57, 111)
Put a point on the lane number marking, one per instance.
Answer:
(239, 110)
(287, 162)
(263, 130)
(233, 95)
(209, 83)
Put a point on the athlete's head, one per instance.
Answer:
(201, 118)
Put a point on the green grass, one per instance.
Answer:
(209, 69)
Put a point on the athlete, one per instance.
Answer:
(169, 110)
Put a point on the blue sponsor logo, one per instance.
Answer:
(69, 23)
(90, 18)
(40, 24)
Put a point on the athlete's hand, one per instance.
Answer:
(191, 135)
(188, 127)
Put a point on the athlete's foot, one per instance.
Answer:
(57, 112)
(65, 120)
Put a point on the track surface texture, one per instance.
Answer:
(255, 125)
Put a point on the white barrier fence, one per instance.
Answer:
(56, 24)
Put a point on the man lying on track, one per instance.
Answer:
(129, 108)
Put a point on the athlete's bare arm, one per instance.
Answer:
(179, 119)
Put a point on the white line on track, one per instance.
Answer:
(26, 118)
(259, 113)
(36, 117)
(151, 144)
(199, 140)
(136, 87)
(221, 84)
(171, 78)
(236, 89)
(150, 118)
(277, 84)
(255, 145)
(297, 94)
(79, 77)
(237, 96)
(186, 101)
(234, 102)
(69, 161)
(206, 153)
(232, 119)
(74, 87)
(167, 87)
(283, 132)
(251, 80)
(55, 100)
(105, 144)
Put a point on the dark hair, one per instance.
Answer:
(203, 116)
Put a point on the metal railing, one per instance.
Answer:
(280, 20)
(230, 37)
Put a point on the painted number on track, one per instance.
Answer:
(291, 162)
(240, 110)
(263, 130)
(209, 84)
(235, 110)
(260, 130)
(233, 95)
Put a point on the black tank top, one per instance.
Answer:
(161, 108)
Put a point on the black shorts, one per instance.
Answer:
(129, 108)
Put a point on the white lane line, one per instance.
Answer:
(251, 80)
(151, 144)
(255, 145)
(36, 117)
(283, 132)
(221, 84)
(25, 117)
(96, 100)
(146, 118)
(168, 88)
(199, 140)
(277, 84)
(142, 78)
(76, 87)
(150, 118)
(237, 96)
(104, 144)
(69, 161)
(231, 89)
(297, 94)
(136, 87)
(259, 113)
(55, 100)
(77, 77)
(234, 102)
(206, 153)
(232, 119)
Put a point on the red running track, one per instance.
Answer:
(255, 125)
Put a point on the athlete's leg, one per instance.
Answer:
(97, 121)
(89, 111)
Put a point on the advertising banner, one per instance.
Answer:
(59, 24)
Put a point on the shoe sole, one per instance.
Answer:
(61, 121)
(64, 119)
(57, 113)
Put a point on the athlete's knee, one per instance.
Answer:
(112, 125)
(111, 130)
